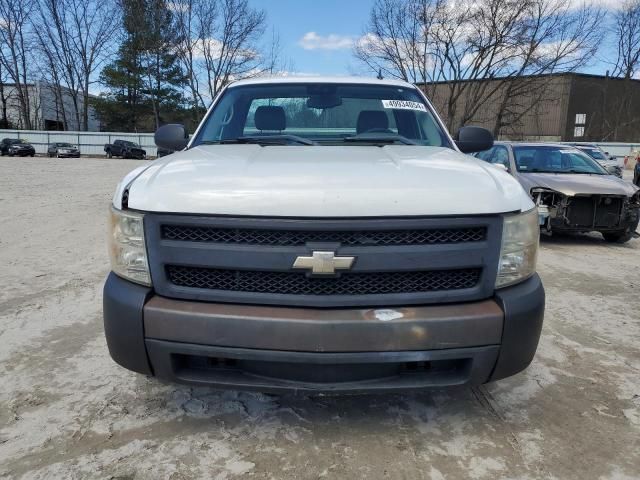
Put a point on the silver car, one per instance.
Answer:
(573, 192)
(63, 150)
(600, 156)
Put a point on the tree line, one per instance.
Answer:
(154, 61)
(493, 55)
(159, 61)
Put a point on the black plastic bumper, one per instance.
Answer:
(274, 349)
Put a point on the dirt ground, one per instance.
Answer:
(67, 411)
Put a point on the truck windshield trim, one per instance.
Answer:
(322, 114)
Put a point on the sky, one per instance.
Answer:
(317, 35)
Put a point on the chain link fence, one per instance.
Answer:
(90, 143)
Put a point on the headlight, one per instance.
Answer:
(519, 252)
(126, 246)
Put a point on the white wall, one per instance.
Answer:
(43, 106)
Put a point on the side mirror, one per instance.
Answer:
(501, 166)
(172, 137)
(474, 139)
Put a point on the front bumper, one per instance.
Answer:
(276, 349)
(21, 153)
(136, 155)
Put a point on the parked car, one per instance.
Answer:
(574, 193)
(124, 149)
(16, 147)
(355, 251)
(600, 156)
(63, 150)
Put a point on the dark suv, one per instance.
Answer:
(16, 147)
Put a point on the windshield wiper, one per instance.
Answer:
(262, 140)
(380, 138)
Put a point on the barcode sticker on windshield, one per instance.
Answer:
(404, 105)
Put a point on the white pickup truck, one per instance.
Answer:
(323, 235)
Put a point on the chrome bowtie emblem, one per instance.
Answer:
(323, 263)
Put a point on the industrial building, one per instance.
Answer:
(51, 108)
(559, 107)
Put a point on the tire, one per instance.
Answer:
(109, 155)
(622, 236)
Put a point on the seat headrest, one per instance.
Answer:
(372, 119)
(270, 118)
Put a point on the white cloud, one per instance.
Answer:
(177, 6)
(313, 41)
(609, 4)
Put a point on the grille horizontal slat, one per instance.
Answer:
(294, 283)
(187, 233)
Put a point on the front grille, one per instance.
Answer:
(187, 233)
(595, 211)
(294, 283)
(608, 212)
(580, 212)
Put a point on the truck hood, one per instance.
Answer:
(322, 181)
(578, 184)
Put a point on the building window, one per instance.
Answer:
(581, 119)
(578, 132)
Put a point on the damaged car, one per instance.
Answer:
(573, 192)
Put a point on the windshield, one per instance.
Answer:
(63, 144)
(323, 114)
(594, 153)
(542, 159)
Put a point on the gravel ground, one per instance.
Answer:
(67, 411)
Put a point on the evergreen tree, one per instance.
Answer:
(145, 81)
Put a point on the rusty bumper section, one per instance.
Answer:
(317, 330)
(323, 350)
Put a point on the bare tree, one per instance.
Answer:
(627, 39)
(619, 102)
(233, 51)
(472, 47)
(398, 41)
(74, 37)
(474, 51)
(4, 98)
(194, 20)
(435, 41)
(16, 42)
(555, 37)
(220, 41)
